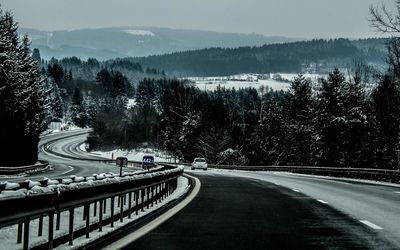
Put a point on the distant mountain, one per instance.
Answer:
(107, 43)
(316, 56)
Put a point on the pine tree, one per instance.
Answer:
(386, 104)
(356, 146)
(300, 120)
(330, 122)
(269, 139)
(77, 111)
(22, 97)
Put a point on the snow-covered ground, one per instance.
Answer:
(132, 155)
(8, 234)
(276, 81)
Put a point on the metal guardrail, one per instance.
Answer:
(386, 175)
(143, 192)
(24, 169)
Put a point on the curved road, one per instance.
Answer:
(261, 210)
(255, 210)
(66, 143)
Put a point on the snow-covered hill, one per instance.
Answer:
(106, 43)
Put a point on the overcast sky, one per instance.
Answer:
(292, 18)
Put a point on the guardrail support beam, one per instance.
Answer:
(129, 205)
(51, 231)
(121, 212)
(58, 220)
(101, 216)
(19, 233)
(26, 234)
(40, 229)
(71, 227)
(95, 209)
(87, 220)
(112, 211)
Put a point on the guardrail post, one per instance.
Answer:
(95, 209)
(40, 229)
(119, 201)
(112, 211)
(100, 215)
(71, 227)
(51, 230)
(84, 212)
(58, 220)
(142, 201)
(148, 197)
(121, 213)
(129, 205)
(105, 206)
(160, 194)
(26, 234)
(137, 201)
(19, 233)
(152, 195)
(124, 198)
(87, 220)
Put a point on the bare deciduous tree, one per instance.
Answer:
(385, 21)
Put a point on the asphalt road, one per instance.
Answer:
(65, 143)
(232, 212)
(255, 210)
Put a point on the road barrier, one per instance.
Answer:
(40, 166)
(392, 176)
(135, 192)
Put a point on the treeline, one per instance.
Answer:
(78, 89)
(340, 124)
(317, 56)
(87, 70)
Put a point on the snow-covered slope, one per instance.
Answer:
(136, 41)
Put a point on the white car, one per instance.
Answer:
(199, 163)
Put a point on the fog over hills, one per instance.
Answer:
(106, 43)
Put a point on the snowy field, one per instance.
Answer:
(132, 155)
(275, 81)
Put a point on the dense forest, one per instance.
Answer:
(337, 121)
(315, 56)
(340, 124)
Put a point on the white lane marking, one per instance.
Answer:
(70, 170)
(371, 225)
(323, 202)
(296, 190)
(123, 242)
(397, 192)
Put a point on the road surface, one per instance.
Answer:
(242, 210)
(65, 143)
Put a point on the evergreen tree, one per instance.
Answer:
(77, 111)
(330, 122)
(386, 104)
(36, 55)
(300, 118)
(270, 136)
(22, 97)
(357, 148)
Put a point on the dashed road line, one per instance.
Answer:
(397, 192)
(322, 201)
(371, 225)
(70, 170)
(297, 191)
